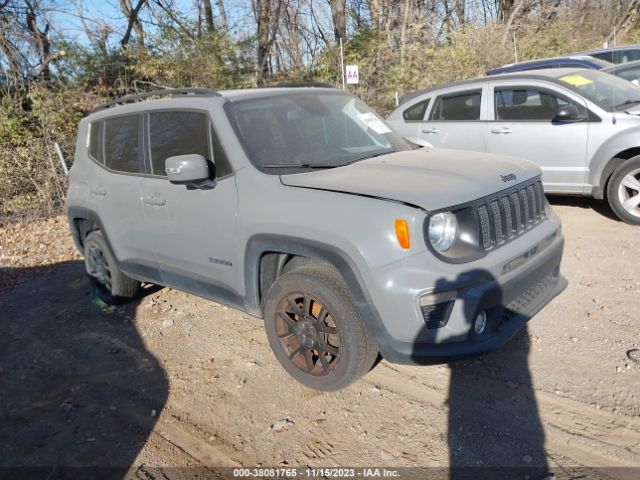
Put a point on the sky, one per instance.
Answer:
(66, 16)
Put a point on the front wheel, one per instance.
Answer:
(315, 330)
(110, 284)
(623, 191)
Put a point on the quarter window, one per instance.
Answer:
(416, 112)
(94, 136)
(176, 133)
(121, 150)
(457, 107)
(526, 104)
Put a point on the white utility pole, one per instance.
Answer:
(342, 64)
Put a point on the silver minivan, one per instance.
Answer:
(581, 126)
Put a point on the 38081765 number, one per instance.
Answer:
(265, 472)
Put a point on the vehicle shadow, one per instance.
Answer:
(494, 429)
(599, 206)
(79, 387)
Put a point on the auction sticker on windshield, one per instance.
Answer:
(374, 123)
(576, 80)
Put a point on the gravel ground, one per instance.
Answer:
(171, 380)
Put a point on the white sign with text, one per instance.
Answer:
(352, 74)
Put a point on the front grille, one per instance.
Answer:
(510, 214)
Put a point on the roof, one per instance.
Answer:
(585, 60)
(548, 74)
(610, 49)
(191, 93)
(244, 93)
(620, 67)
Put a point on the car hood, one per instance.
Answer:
(427, 178)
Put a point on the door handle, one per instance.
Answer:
(98, 191)
(154, 200)
(431, 130)
(502, 131)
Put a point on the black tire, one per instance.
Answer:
(109, 283)
(323, 344)
(617, 191)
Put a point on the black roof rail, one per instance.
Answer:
(172, 92)
(299, 85)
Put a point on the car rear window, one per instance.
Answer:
(457, 107)
(121, 144)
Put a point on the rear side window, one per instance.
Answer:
(624, 56)
(176, 133)
(457, 107)
(121, 144)
(94, 137)
(416, 112)
(608, 56)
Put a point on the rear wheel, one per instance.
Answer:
(623, 191)
(110, 284)
(315, 330)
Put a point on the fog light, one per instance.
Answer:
(480, 323)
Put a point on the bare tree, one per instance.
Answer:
(39, 39)
(338, 14)
(208, 15)
(133, 23)
(267, 22)
(222, 12)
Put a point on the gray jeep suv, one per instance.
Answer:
(301, 206)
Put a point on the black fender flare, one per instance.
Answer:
(74, 213)
(260, 244)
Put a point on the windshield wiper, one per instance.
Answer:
(625, 103)
(299, 165)
(371, 155)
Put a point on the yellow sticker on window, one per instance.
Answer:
(576, 80)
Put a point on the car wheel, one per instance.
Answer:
(315, 330)
(109, 283)
(623, 191)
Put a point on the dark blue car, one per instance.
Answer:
(574, 61)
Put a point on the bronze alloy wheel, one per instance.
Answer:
(308, 334)
(315, 330)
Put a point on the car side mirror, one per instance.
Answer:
(568, 114)
(187, 169)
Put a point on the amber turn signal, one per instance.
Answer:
(402, 233)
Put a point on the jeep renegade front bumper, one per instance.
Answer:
(437, 323)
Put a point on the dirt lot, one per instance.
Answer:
(172, 380)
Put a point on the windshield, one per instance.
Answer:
(608, 92)
(310, 129)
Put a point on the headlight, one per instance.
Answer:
(442, 231)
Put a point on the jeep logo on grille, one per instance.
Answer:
(511, 177)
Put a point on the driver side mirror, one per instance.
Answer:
(187, 169)
(568, 114)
